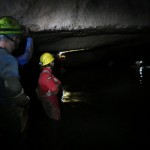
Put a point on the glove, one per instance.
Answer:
(23, 59)
(21, 100)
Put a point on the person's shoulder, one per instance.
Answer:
(5, 57)
(2, 50)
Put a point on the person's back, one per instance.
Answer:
(13, 100)
(9, 71)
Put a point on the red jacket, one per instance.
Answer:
(48, 87)
(48, 83)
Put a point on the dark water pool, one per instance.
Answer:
(102, 108)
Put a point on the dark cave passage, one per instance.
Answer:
(107, 107)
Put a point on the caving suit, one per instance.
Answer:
(48, 88)
(12, 97)
(9, 73)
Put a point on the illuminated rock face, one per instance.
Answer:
(77, 14)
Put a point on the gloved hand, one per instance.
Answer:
(24, 58)
(21, 100)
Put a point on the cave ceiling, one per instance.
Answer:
(64, 25)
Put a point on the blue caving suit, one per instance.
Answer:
(12, 96)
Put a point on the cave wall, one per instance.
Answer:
(41, 15)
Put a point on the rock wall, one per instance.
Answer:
(41, 15)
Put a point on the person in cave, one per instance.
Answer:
(48, 88)
(13, 100)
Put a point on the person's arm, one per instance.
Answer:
(16, 92)
(57, 80)
(24, 58)
(51, 84)
(11, 78)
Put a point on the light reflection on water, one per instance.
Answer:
(73, 97)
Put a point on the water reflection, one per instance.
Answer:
(73, 97)
(140, 68)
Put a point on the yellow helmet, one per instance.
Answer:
(46, 59)
(9, 25)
